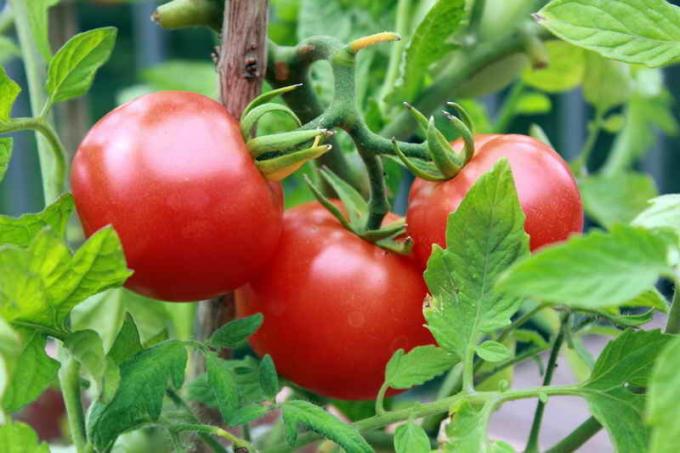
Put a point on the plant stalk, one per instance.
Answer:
(578, 437)
(69, 379)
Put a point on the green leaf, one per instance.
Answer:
(87, 349)
(663, 212)
(297, 412)
(652, 298)
(614, 390)
(533, 103)
(411, 438)
(419, 365)
(268, 377)
(9, 90)
(354, 203)
(485, 236)
(614, 123)
(223, 384)
(20, 438)
(248, 414)
(634, 31)
(617, 198)
(593, 271)
(5, 155)
(235, 332)
(72, 69)
(606, 83)
(565, 70)
(467, 431)
(127, 342)
(144, 379)
(662, 400)
(493, 351)
(427, 45)
(21, 231)
(33, 372)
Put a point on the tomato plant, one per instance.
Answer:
(547, 193)
(322, 296)
(171, 173)
(315, 316)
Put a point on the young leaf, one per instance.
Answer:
(248, 414)
(9, 90)
(411, 438)
(127, 342)
(20, 438)
(235, 332)
(87, 349)
(566, 66)
(606, 83)
(617, 198)
(662, 400)
(427, 45)
(139, 398)
(593, 271)
(467, 430)
(21, 231)
(634, 31)
(5, 155)
(299, 412)
(419, 365)
(485, 236)
(223, 384)
(493, 351)
(32, 374)
(614, 390)
(72, 69)
(268, 377)
(663, 212)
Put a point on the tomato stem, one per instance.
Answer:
(578, 437)
(69, 378)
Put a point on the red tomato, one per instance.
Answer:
(47, 415)
(335, 307)
(546, 188)
(172, 174)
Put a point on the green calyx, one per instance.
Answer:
(444, 162)
(281, 154)
(356, 213)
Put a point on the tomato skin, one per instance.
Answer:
(335, 306)
(172, 174)
(546, 188)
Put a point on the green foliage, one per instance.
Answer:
(616, 198)
(428, 44)
(235, 332)
(37, 19)
(411, 438)
(606, 83)
(301, 413)
(72, 69)
(663, 212)
(223, 384)
(614, 390)
(467, 430)
(21, 231)
(9, 90)
(144, 379)
(87, 349)
(33, 371)
(484, 237)
(596, 270)
(419, 365)
(20, 438)
(664, 392)
(493, 351)
(5, 155)
(634, 31)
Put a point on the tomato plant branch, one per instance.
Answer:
(206, 437)
(69, 379)
(42, 126)
(580, 164)
(216, 431)
(578, 437)
(532, 443)
(402, 26)
(519, 322)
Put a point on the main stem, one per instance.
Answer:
(69, 379)
(34, 65)
(532, 444)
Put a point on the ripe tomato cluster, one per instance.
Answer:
(171, 172)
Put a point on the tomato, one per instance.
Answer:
(546, 188)
(173, 176)
(335, 306)
(47, 415)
